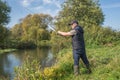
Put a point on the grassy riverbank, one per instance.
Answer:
(105, 64)
(6, 50)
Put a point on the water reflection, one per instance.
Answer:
(9, 61)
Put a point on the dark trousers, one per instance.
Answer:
(77, 54)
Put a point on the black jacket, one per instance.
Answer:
(78, 39)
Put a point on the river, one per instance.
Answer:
(8, 61)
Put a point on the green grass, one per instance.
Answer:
(105, 65)
(6, 50)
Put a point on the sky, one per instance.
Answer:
(21, 8)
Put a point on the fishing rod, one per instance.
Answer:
(53, 29)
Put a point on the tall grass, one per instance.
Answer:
(30, 70)
(105, 64)
(4, 78)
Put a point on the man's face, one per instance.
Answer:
(73, 25)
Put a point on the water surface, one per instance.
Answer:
(8, 61)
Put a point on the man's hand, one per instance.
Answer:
(59, 32)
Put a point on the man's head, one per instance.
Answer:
(73, 23)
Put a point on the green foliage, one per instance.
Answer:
(60, 41)
(4, 35)
(33, 28)
(7, 50)
(87, 12)
(90, 17)
(30, 71)
(44, 43)
(26, 45)
(4, 19)
(101, 36)
(16, 31)
(4, 13)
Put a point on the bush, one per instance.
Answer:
(26, 45)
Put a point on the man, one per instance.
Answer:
(78, 45)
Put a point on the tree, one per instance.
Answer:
(4, 19)
(4, 13)
(32, 25)
(16, 32)
(4, 33)
(33, 28)
(87, 12)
